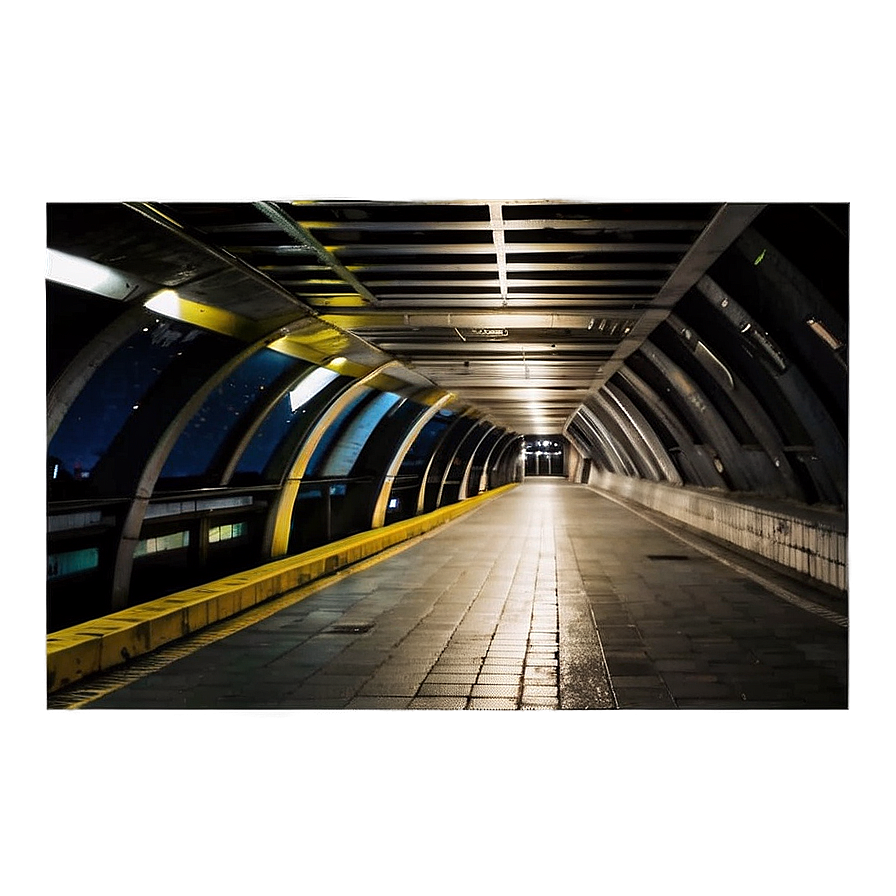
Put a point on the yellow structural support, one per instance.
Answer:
(82, 650)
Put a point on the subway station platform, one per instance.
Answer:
(551, 596)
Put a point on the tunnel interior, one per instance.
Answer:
(231, 383)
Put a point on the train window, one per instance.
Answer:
(226, 532)
(68, 563)
(173, 542)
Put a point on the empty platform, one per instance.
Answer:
(551, 596)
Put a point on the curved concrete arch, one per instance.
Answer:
(804, 402)
(462, 491)
(706, 419)
(639, 423)
(276, 539)
(638, 450)
(502, 459)
(256, 422)
(71, 382)
(483, 478)
(614, 452)
(462, 419)
(746, 404)
(693, 457)
(382, 501)
(455, 453)
(152, 468)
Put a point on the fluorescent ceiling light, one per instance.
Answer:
(81, 273)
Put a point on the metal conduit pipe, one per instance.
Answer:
(746, 404)
(667, 468)
(637, 450)
(830, 474)
(707, 420)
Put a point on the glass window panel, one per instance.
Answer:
(114, 392)
(342, 458)
(425, 443)
(323, 446)
(205, 433)
(309, 386)
(277, 426)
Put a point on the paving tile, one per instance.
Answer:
(503, 679)
(455, 689)
(436, 677)
(391, 687)
(479, 598)
(492, 703)
(495, 690)
(438, 703)
(539, 690)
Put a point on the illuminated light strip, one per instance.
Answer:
(81, 273)
(169, 303)
(777, 590)
(497, 222)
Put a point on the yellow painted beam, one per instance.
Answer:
(82, 650)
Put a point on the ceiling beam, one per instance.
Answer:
(304, 239)
(727, 225)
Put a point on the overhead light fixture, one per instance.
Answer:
(167, 302)
(81, 273)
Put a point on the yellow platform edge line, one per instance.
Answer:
(100, 644)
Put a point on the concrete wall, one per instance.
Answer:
(808, 540)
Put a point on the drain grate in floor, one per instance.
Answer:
(668, 557)
(350, 629)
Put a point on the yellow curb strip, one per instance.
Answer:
(100, 644)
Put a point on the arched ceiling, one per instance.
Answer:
(522, 309)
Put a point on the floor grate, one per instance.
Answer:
(350, 629)
(668, 557)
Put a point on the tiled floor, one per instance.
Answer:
(545, 598)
